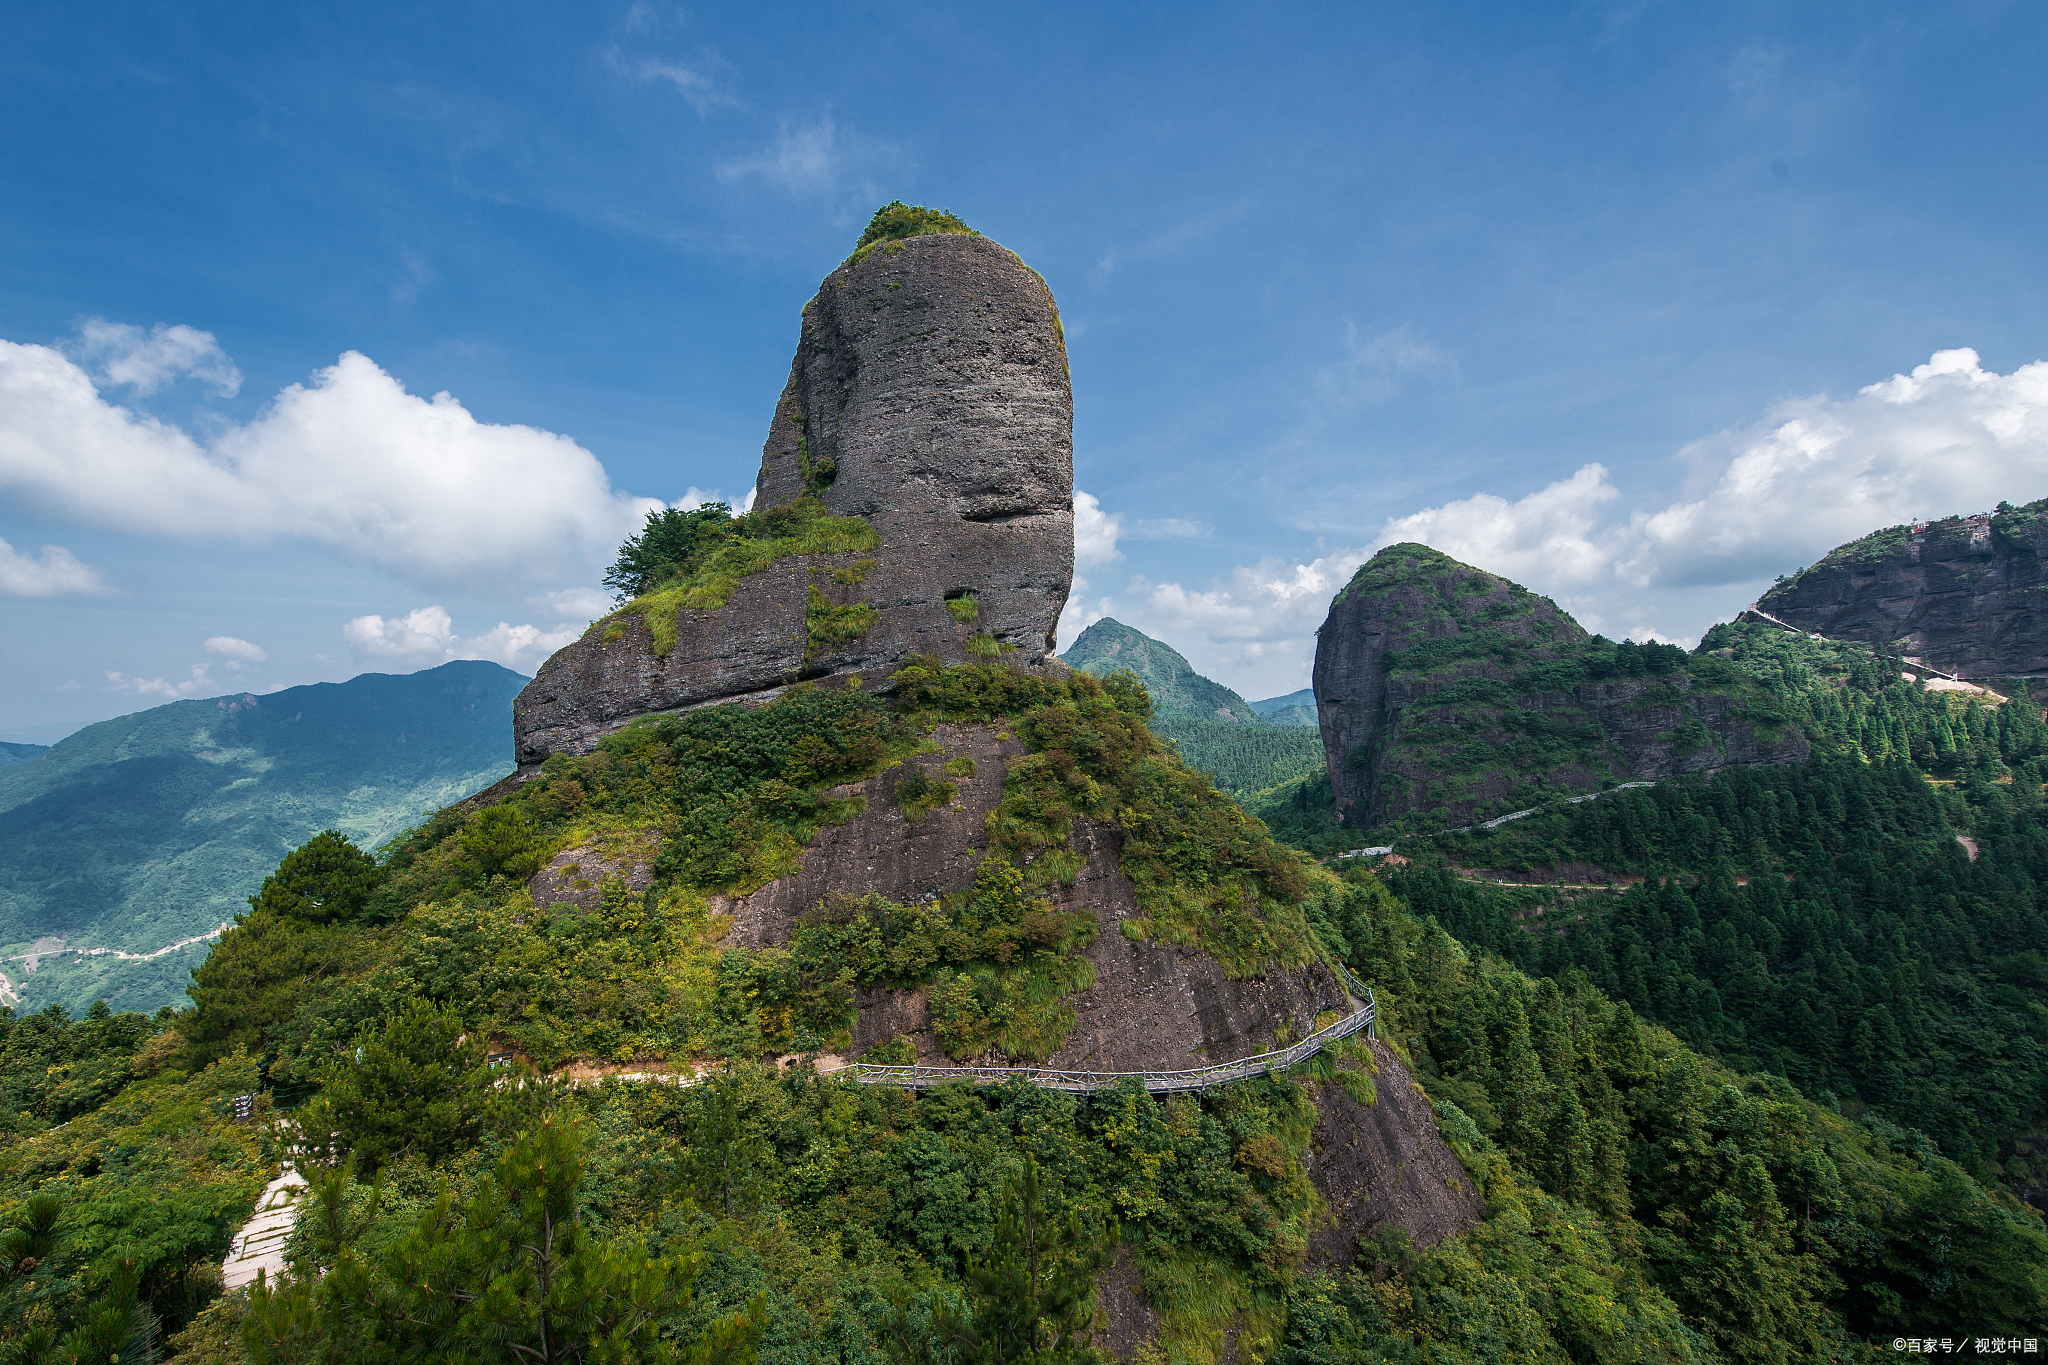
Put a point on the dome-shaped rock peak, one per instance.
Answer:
(1443, 687)
(915, 497)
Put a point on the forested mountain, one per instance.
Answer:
(565, 1058)
(1642, 1202)
(20, 753)
(1871, 925)
(1214, 728)
(1296, 708)
(138, 832)
(1177, 691)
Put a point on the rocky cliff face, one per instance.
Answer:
(929, 397)
(1968, 595)
(1153, 1006)
(1441, 686)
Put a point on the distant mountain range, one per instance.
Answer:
(1244, 749)
(20, 753)
(1296, 708)
(140, 832)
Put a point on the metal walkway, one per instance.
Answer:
(1158, 1082)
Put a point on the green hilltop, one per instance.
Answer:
(1214, 728)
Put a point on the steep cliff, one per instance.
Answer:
(1440, 686)
(916, 488)
(1964, 594)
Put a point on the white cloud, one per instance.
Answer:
(228, 647)
(411, 485)
(1950, 437)
(146, 361)
(1546, 535)
(157, 687)
(823, 161)
(588, 603)
(1095, 532)
(800, 159)
(1819, 472)
(56, 572)
(427, 635)
(702, 82)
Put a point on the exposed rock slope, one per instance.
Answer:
(929, 397)
(1964, 594)
(1439, 685)
(1152, 1007)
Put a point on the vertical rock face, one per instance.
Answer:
(1440, 686)
(929, 397)
(1965, 594)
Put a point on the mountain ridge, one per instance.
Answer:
(148, 828)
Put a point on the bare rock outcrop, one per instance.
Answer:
(1385, 1164)
(1964, 594)
(929, 396)
(1441, 686)
(1153, 1007)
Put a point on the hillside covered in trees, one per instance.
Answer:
(1214, 728)
(1869, 925)
(1644, 1201)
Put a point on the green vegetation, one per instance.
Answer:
(896, 221)
(1245, 760)
(1643, 1201)
(139, 832)
(1826, 922)
(1639, 1193)
(1212, 727)
(673, 540)
(740, 547)
(827, 623)
(1001, 965)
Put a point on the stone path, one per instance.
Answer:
(259, 1246)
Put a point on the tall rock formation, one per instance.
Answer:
(1964, 594)
(915, 498)
(1441, 686)
(929, 398)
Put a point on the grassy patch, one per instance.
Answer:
(826, 623)
(760, 541)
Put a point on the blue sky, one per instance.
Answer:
(1610, 298)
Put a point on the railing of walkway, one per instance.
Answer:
(1158, 1082)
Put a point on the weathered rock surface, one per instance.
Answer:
(1439, 685)
(1965, 594)
(576, 876)
(1153, 1007)
(929, 396)
(1385, 1164)
(1126, 1317)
